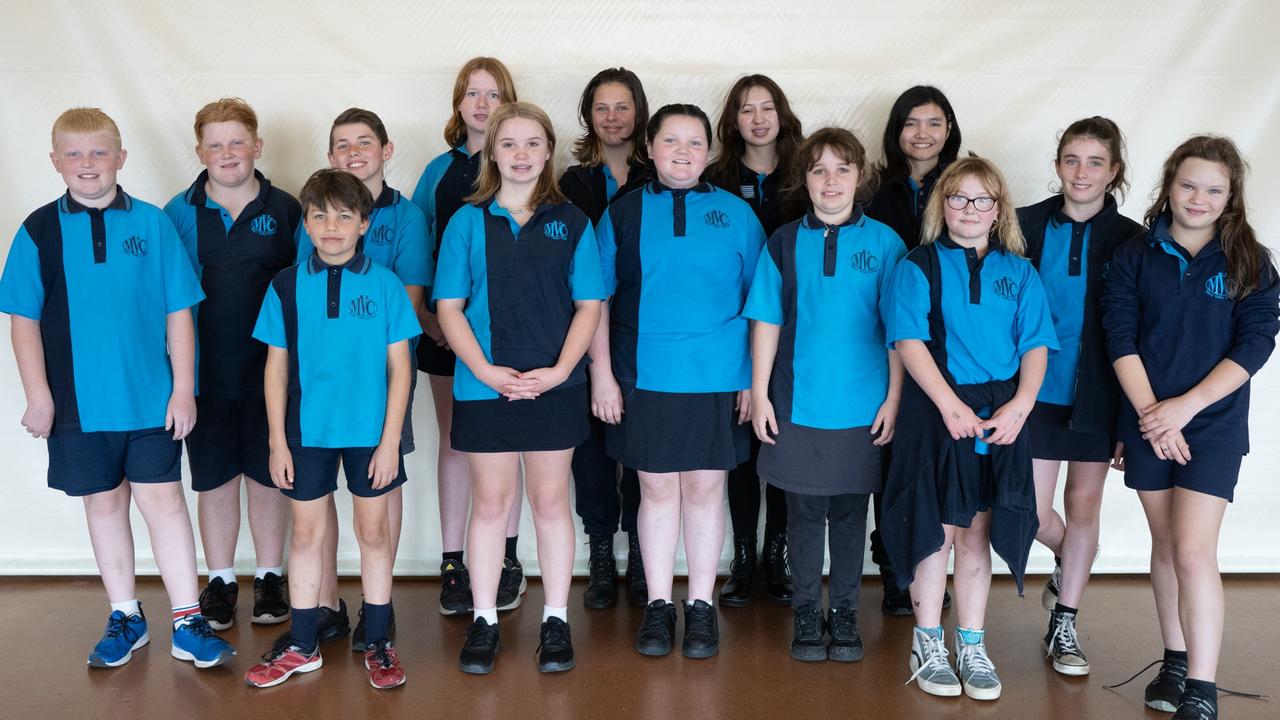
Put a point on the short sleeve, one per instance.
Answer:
(424, 194)
(270, 326)
(402, 324)
(607, 244)
(453, 270)
(764, 302)
(181, 286)
(905, 309)
(753, 240)
(412, 262)
(1033, 323)
(586, 282)
(894, 251)
(183, 217)
(21, 288)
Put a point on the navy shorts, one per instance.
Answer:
(1210, 471)
(229, 439)
(315, 472)
(85, 463)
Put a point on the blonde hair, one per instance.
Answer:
(85, 121)
(227, 109)
(455, 131)
(546, 191)
(1005, 231)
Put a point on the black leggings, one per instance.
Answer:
(744, 499)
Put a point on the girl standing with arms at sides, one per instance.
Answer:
(920, 140)
(968, 316)
(613, 112)
(482, 86)
(824, 392)
(1190, 312)
(672, 355)
(518, 294)
(758, 135)
(1070, 238)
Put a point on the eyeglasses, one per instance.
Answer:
(960, 202)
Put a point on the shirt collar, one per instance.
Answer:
(1160, 234)
(1058, 218)
(812, 222)
(121, 201)
(656, 187)
(198, 196)
(358, 264)
(387, 197)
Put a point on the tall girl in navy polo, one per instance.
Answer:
(1190, 311)
(921, 138)
(482, 86)
(678, 258)
(758, 136)
(612, 162)
(968, 316)
(1070, 238)
(824, 391)
(518, 294)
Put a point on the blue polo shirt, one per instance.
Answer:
(679, 263)
(396, 239)
(101, 283)
(336, 321)
(447, 179)
(823, 284)
(1064, 272)
(235, 260)
(520, 284)
(1177, 314)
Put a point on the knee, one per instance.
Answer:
(1190, 557)
(107, 503)
(974, 543)
(702, 493)
(1083, 507)
(373, 533)
(491, 505)
(660, 492)
(548, 504)
(307, 536)
(1046, 515)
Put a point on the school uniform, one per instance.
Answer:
(822, 285)
(763, 192)
(336, 321)
(1176, 313)
(447, 179)
(520, 284)
(101, 283)
(679, 263)
(900, 204)
(235, 259)
(978, 316)
(592, 187)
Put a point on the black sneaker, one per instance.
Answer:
(511, 585)
(846, 644)
(330, 625)
(602, 587)
(637, 586)
(455, 588)
(806, 641)
(218, 603)
(1164, 693)
(270, 599)
(657, 633)
(897, 601)
(1197, 704)
(701, 632)
(358, 643)
(480, 650)
(555, 647)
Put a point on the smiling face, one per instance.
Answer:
(356, 149)
(520, 150)
(758, 117)
(832, 183)
(228, 150)
(334, 232)
(968, 224)
(679, 151)
(480, 99)
(613, 114)
(88, 163)
(1199, 193)
(1086, 170)
(924, 133)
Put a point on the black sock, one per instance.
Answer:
(454, 556)
(1178, 655)
(511, 548)
(1203, 688)
(1060, 608)
(302, 632)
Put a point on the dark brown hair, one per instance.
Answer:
(894, 165)
(350, 116)
(1106, 132)
(586, 149)
(338, 188)
(724, 169)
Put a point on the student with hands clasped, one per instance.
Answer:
(1190, 311)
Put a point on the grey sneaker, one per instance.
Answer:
(1061, 644)
(1049, 597)
(977, 672)
(929, 666)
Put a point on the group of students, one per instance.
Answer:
(631, 322)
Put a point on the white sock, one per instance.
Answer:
(560, 613)
(228, 575)
(490, 615)
(128, 607)
(261, 572)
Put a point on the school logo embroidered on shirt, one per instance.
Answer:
(135, 246)
(865, 261)
(556, 230)
(264, 225)
(1216, 286)
(717, 219)
(363, 308)
(381, 235)
(1006, 288)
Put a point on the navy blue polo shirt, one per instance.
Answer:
(235, 260)
(396, 239)
(679, 264)
(447, 179)
(101, 283)
(823, 284)
(520, 284)
(1176, 313)
(1064, 272)
(336, 321)
(762, 192)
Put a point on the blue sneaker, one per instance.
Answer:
(125, 633)
(195, 642)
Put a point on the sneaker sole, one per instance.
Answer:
(1048, 598)
(983, 693)
(306, 668)
(263, 619)
(222, 658)
(653, 650)
(449, 612)
(895, 610)
(931, 687)
(845, 654)
(557, 667)
(392, 686)
(220, 626)
(700, 653)
(524, 585)
(1161, 705)
(98, 662)
(1064, 668)
(808, 653)
(600, 604)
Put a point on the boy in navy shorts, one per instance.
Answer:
(338, 327)
(99, 292)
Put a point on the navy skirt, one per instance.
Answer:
(1052, 439)
(678, 432)
(557, 420)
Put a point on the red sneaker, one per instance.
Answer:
(277, 668)
(383, 664)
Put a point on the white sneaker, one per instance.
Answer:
(929, 666)
(977, 672)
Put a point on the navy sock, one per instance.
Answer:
(1060, 608)
(511, 547)
(1203, 688)
(376, 618)
(454, 556)
(303, 628)
(1176, 655)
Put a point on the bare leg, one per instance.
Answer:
(702, 506)
(307, 550)
(374, 537)
(493, 479)
(107, 514)
(164, 509)
(1052, 528)
(658, 522)
(453, 473)
(1158, 505)
(973, 571)
(268, 523)
(930, 584)
(1083, 500)
(219, 512)
(1197, 520)
(548, 488)
(328, 580)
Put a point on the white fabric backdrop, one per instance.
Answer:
(1016, 72)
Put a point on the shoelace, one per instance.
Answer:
(601, 560)
(842, 623)
(200, 627)
(383, 655)
(1167, 671)
(935, 658)
(699, 623)
(557, 637)
(477, 634)
(655, 622)
(1065, 638)
(1203, 706)
(974, 657)
(810, 623)
(117, 625)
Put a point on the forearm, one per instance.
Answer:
(582, 331)
(180, 334)
(896, 374)
(276, 391)
(28, 350)
(1031, 375)
(417, 298)
(764, 350)
(917, 361)
(1134, 381)
(598, 350)
(399, 382)
(459, 335)
(1225, 378)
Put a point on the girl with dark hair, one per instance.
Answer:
(1190, 311)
